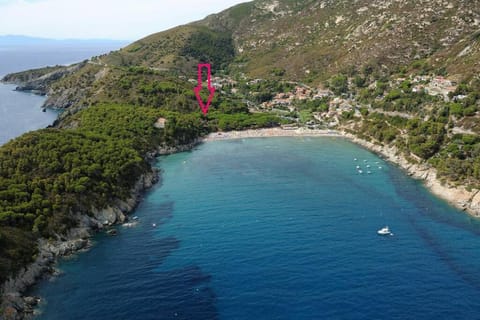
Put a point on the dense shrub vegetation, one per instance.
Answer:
(47, 175)
(210, 46)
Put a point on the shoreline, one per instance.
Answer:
(270, 133)
(16, 304)
(15, 291)
(457, 196)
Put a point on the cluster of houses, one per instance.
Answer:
(331, 117)
(435, 86)
(219, 83)
(337, 107)
(286, 100)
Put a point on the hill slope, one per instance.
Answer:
(324, 37)
(413, 59)
(306, 41)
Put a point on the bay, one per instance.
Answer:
(277, 228)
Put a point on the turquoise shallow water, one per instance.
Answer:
(278, 228)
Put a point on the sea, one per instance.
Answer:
(21, 112)
(277, 228)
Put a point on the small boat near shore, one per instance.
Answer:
(129, 224)
(385, 231)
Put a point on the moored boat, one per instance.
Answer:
(385, 231)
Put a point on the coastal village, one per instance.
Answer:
(287, 104)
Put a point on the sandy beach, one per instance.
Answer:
(271, 132)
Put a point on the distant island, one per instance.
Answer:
(306, 64)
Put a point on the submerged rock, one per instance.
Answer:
(112, 232)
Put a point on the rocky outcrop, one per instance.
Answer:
(15, 305)
(39, 82)
(66, 98)
(458, 196)
(166, 149)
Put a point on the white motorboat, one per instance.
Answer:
(385, 231)
(129, 224)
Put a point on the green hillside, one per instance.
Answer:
(401, 73)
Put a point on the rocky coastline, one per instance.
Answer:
(457, 196)
(15, 304)
(166, 149)
(39, 81)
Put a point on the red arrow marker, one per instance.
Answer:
(198, 88)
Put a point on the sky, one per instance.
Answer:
(101, 19)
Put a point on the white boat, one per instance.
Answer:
(385, 231)
(129, 224)
(135, 218)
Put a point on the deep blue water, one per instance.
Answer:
(278, 228)
(15, 58)
(21, 112)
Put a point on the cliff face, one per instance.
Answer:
(14, 304)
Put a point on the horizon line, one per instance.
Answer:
(25, 36)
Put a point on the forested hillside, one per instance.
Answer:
(48, 176)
